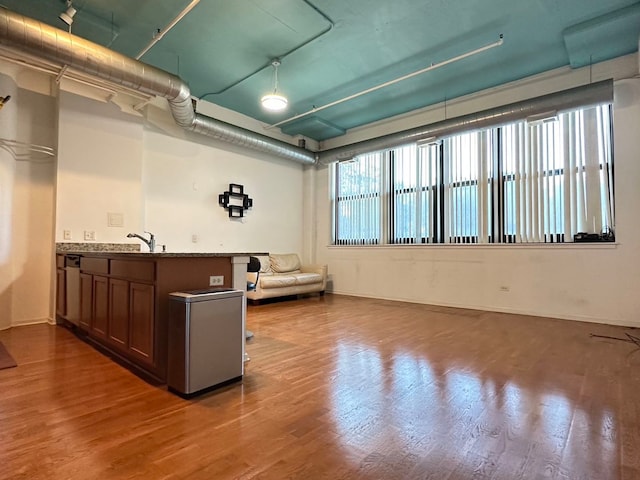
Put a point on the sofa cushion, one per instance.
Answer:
(308, 278)
(277, 281)
(265, 264)
(284, 262)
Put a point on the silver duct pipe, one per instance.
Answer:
(586, 95)
(25, 35)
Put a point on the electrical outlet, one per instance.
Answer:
(194, 238)
(90, 235)
(504, 288)
(216, 280)
(66, 234)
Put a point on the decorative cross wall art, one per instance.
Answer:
(235, 201)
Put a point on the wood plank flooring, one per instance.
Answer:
(337, 388)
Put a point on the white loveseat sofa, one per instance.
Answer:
(282, 274)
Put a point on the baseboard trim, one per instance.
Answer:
(34, 321)
(513, 311)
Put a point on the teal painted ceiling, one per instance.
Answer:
(331, 49)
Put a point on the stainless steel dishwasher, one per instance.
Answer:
(72, 268)
(206, 339)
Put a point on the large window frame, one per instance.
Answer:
(525, 182)
(358, 199)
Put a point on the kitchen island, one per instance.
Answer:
(120, 302)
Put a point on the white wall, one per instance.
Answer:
(8, 122)
(183, 178)
(583, 282)
(34, 199)
(99, 169)
(109, 161)
(26, 209)
(166, 181)
(32, 255)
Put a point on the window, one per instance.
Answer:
(358, 201)
(557, 177)
(542, 181)
(413, 181)
(467, 169)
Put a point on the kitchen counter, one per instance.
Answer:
(159, 254)
(132, 250)
(123, 296)
(77, 247)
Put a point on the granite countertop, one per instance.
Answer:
(132, 250)
(76, 247)
(113, 254)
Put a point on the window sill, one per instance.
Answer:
(498, 246)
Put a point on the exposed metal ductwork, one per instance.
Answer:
(25, 35)
(591, 94)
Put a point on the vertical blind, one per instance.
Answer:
(407, 185)
(358, 201)
(558, 177)
(542, 181)
(466, 170)
(415, 200)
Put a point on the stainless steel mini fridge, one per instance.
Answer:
(206, 339)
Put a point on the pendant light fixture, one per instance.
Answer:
(274, 102)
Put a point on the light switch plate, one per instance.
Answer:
(115, 219)
(66, 234)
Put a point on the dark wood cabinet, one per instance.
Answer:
(119, 310)
(86, 301)
(142, 321)
(100, 324)
(118, 326)
(124, 301)
(61, 292)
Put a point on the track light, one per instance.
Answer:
(274, 102)
(68, 14)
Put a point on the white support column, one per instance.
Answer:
(239, 282)
(8, 130)
(239, 272)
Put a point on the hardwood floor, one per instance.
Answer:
(337, 388)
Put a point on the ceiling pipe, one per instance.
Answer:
(433, 66)
(163, 31)
(21, 34)
(40, 65)
(281, 56)
(586, 95)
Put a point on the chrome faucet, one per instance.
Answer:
(151, 243)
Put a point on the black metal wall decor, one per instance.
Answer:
(235, 201)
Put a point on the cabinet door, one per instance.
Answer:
(61, 292)
(86, 294)
(100, 315)
(141, 322)
(119, 312)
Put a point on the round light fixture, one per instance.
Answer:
(274, 102)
